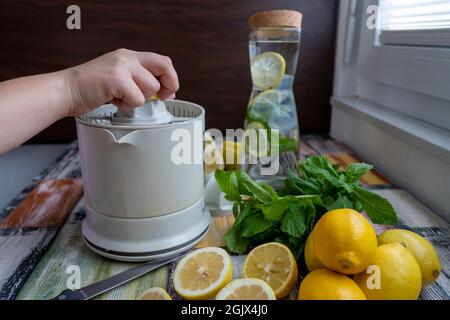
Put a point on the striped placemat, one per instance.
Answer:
(38, 252)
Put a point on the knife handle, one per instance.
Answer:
(66, 295)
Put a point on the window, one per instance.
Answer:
(404, 64)
(414, 22)
(391, 99)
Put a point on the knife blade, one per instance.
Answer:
(107, 284)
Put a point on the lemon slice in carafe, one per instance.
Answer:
(269, 103)
(267, 70)
(256, 142)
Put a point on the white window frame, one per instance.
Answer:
(417, 74)
(427, 38)
(401, 93)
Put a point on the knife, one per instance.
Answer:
(107, 284)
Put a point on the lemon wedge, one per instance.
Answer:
(246, 289)
(275, 264)
(155, 294)
(202, 273)
(267, 70)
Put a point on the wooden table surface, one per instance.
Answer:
(40, 233)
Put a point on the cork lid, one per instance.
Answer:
(276, 18)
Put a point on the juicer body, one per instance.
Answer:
(141, 202)
(134, 176)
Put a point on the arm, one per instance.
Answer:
(126, 78)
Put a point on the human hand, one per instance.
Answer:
(124, 77)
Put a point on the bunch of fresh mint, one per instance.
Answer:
(288, 216)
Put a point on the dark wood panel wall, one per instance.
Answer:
(207, 41)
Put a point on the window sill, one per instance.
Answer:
(414, 154)
(422, 135)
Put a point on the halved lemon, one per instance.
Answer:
(246, 289)
(275, 264)
(267, 70)
(155, 294)
(153, 97)
(212, 158)
(202, 273)
(231, 152)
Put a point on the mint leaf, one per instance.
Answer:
(236, 209)
(296, 185)
(287, 144)
(298, 219)
(264, 194)
(269, 189)
(377, 208)
(293, 223)
(254, 225)
(314, 164)
(342, 202)
(266, 236)
(320, 168)
(235, 242)
(275, 210)
(246, 210)
(228, 183)
(336, 167)
(355, 171)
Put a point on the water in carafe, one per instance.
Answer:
(273, 58)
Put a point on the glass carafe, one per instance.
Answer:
(273, 59)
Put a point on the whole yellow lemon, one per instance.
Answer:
(344, 241)
(312, 263)
(393, 274)
(324, 284)
(422, 250)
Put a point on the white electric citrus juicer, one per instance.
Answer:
(140, 203)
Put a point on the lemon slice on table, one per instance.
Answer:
(202, 273)
(155, 294)
(267, 70)
(275, 264)
(246, 289)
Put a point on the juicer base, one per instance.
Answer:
(145, 239)
(144, 256)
